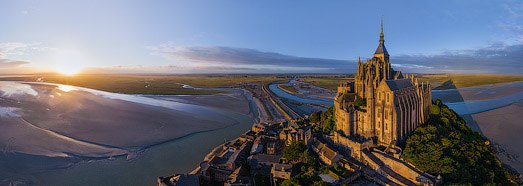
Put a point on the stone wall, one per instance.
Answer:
(402, 169)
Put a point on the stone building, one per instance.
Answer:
(281, 171)
(293, 132)
(326, 154)
(381, 104)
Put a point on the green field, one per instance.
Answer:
(449, 81)
(327, 82)
(152, 84)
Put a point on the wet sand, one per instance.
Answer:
(77, 123)
(235, 100)
(504, 126)
(479, 92)
(42, 122)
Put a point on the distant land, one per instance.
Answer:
(163, 84)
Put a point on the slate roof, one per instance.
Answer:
(284, 167)
(381, 49)
(399, 84)
(266, 158)
(325, 150)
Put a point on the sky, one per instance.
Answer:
(243, 36)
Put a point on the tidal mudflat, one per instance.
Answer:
(504, 127)
(49, 131)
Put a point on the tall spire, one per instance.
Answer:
(382, 40)
(381, 51)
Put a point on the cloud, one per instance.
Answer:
(410, 66)
(247, 59)
(18, 49)
(513, 20)
(495, 58)
(6, 63)
(11, 51)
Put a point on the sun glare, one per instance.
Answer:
(66, 88)
(68, 62)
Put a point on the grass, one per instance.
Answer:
(449, 81)
(151, 84)
(326, 82)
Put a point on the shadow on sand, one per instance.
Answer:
(448, 93)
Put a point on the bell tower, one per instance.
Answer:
(381, 52)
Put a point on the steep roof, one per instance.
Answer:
(325, 150)
(381, 49)
(398, 84)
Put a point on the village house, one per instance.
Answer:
(220, 166)
(281, 171)
(326, 154)
(293, 132)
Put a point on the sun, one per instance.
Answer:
(68, 62)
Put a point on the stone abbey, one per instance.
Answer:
(381, 105)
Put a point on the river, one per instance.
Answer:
(279, 92)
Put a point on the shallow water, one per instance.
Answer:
(473, 107)
(276, 90)
(178, 156)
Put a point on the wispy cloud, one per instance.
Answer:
(11, 51)
(513, 20)
(6, 63)
(495, 58)
(410, 66)
(247, 59)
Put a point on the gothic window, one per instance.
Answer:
(387, 97)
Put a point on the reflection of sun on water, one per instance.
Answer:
(66, 88)
(68, 62)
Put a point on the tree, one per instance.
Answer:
(446, 146)
(294, 152)
(328, 121)
(315, 117)
(290, 182)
